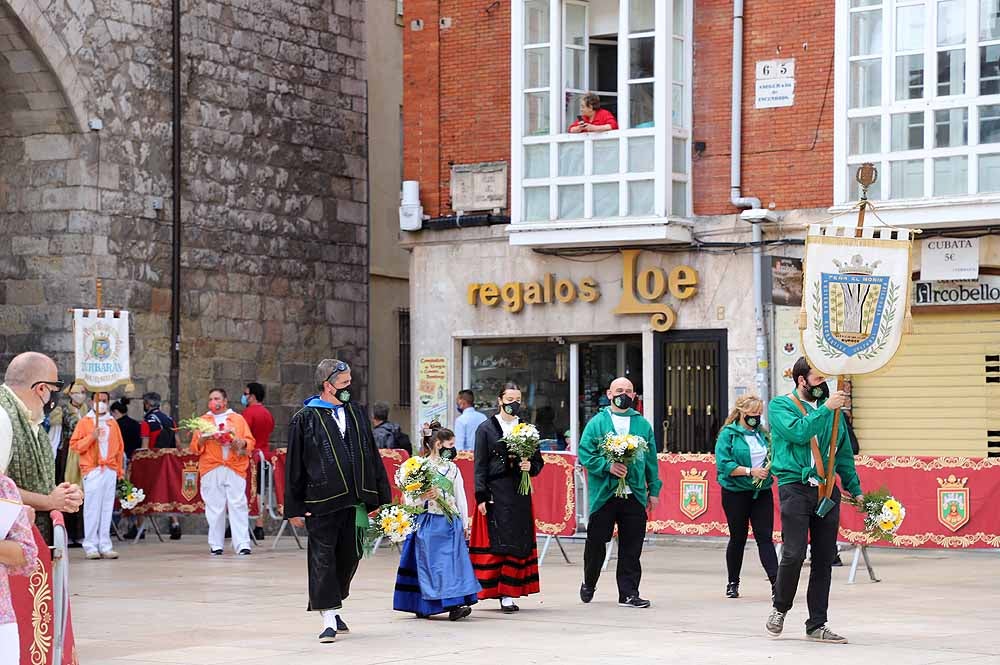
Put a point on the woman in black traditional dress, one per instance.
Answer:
(503, 548)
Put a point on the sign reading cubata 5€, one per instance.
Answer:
(642, 291)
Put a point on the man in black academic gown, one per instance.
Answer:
(334, 478)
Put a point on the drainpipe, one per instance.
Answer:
(175, 281)
(737, 199)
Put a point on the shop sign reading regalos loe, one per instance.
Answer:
(642, 291)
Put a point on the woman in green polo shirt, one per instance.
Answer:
(741, 459)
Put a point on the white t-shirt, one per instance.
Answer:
(622, 423)
(506, 426)
(220, 419)
(6, 440)
(758, 452)
(622, 426)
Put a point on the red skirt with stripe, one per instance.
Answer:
(500, 574)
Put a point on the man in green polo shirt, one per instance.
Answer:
(797, 420)
(607, 510)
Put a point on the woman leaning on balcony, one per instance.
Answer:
(592, 117)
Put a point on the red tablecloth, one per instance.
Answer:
(928, 487)
(34, 607)
(553, 490)
(170, 479)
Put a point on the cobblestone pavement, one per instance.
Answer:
(172, 603)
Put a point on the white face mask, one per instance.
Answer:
(102, 408)
(76, 398)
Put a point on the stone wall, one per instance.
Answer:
(274, 200)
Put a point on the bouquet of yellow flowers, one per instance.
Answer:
(129, 495)
(392, 521)
(417, 476)
(883, 514)
(622, 449)
(522, 442)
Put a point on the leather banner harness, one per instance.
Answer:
(826, 489)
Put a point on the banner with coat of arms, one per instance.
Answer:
(101, 342)
(855, 297)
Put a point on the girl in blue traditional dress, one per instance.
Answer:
(435, 573)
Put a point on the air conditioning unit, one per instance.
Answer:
(411, 213)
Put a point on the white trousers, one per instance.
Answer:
(10, 647)
(98, 501)
(222, 489)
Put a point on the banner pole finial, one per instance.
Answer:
(867, 175)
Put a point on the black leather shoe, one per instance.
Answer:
(175, 532)
(258, 533)
(328, 636)
(509, 609)
(634, 601)
(586, 593)
(341, 626)
(216, 552)
(837, 562)
(245, 552)
(733, 590)
(459, 613)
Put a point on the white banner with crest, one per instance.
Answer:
(101, 342)
(856, 295)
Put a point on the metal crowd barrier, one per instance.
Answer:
(60, 585)
(269, 498)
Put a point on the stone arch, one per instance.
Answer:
(41, 90)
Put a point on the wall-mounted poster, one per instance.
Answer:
(432, 388)
(786, 281)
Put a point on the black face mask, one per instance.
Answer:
(622, 401)
(820, 391)
(752, 421)
(448, 453)
(343, 394)
(512, 409)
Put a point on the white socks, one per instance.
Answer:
(506, 601)
(329, 618)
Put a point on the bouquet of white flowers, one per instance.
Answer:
(129, 495)
(523, 442)
(392, 521)
(622, 449)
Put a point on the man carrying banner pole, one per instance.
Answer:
(810, 445)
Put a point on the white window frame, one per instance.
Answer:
(663, 131)
(928, 105)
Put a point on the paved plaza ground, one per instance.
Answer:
(172, 603)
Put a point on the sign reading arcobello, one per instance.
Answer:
(642, 291)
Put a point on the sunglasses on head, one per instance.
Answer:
(55, 385)
(339, 368)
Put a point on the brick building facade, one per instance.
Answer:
(500, 83)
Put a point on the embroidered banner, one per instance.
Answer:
(34, 600)
(855, 297)
(170, 479)
(947, 500)
(100, 339)
(553, 492)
